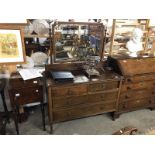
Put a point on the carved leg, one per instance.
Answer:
(115, 115)
(51, 128)
(15, 117)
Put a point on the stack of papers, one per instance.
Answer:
(27, 74)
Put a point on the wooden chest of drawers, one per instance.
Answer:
(138, 87)
(73, 100)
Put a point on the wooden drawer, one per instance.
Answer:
(139, 85)
(136, 94)
(19, 82)
(135, 104)
(69, 91)
(82, 111)
(102, 86)
(140, 78)
(26, 95)
(106, 96)
(69, 101)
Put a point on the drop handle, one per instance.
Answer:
(128, 87)
(129, 80)
(153, 92)
(126, 96)
(70, 92)
(124, 105)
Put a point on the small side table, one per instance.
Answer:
(24, 92)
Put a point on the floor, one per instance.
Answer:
(95, 125)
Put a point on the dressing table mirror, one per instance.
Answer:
(74, 41)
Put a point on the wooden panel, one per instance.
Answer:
(25, 96)
(137, 94)
(139, 85)
(69, 91)
(106, 96)
(140, 78)
(137, 66)
(135, 104)
(102, 86)
(68, 101)
(82, 111)
(19, 82)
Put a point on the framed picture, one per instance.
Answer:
(12, 48)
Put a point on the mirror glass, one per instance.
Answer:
(74, 41)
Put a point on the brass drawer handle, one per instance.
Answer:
(68, 102)
(128, 87)
(102, 96)
(68, 113)
(103, 86)
(153, 92)
(129, 80)
(126, 96)
(124, 105)
(70, 92)
(102, 108)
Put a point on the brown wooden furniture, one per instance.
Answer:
(23, 92)
(82, 98)
(138, 86)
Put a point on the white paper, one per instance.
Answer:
(29, 73)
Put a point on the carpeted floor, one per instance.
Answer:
(95, 125)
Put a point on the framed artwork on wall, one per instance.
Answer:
(12, 48)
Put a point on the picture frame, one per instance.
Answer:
(12, 49)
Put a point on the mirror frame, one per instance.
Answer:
(76, 23)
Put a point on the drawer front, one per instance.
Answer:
(69, 91)
(15, 83)
(102, 86)
(139, 85)
(69, 101)
(140, 78)
(27, 95)
(82, 111)
(136, 94)
(106, 96)
(135, 104)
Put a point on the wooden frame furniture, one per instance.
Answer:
(95, 29)
(23, 92)
(138, 85)
(77, 99)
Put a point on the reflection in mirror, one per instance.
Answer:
(74, 41)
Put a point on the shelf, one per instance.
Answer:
(36, 36)
(119, 44)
